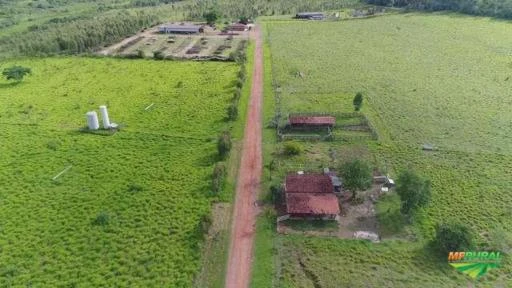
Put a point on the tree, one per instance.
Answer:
(224, 144)
(16, 73)
(358, 101)
(211, 17)
(414, 192)
(357, 176)
(452, 237)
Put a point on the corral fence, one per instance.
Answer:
(285, 132)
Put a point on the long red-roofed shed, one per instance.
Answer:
(311, 195)
(312, 121)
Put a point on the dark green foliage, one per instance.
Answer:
(102, 219)
(243, 20)
(276, 194)
(76, 36)
(414, 192)
(358, 101)
(292, 148)
(357, 176)
(211, 17)
(233, 111)
(239, 83)
(218, 176)
(134, 187)
(224, 144)
(16, 73)
(453, 237)
(237, 94)
(158, 55)
(140, 54)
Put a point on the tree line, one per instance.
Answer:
(493, 8)
(77, 36)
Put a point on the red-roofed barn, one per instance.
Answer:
(310, 196)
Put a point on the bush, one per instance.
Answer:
(233, 111)
(53, 145)
(237, 94)
(239, 83)
(292, 148)
(451, 237)
(134, 187)
(276, 194)
(219, 173)
(414, 192)
(358, 101)
(224, 144)
(140, 54)
(158, 55)
(102, 219)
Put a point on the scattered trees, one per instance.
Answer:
(16, 73)
(358, 101)
(453, 237)
(357, 176)
(414, 192)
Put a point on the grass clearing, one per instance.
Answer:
(148, 185)
(423, 82)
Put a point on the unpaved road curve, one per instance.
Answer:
(245, 212)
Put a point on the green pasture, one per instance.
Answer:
(129, 211)
(434, 78)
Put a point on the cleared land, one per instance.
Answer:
(424, 82)
(129, 212)
(208, 44)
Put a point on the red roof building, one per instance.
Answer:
(311, 196)
(314, 121)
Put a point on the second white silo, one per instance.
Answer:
(104, 116)
(92, 120)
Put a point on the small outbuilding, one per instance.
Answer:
(310, 16)
(311, 196)
(302, 121)
(180, 29)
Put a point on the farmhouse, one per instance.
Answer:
(310, 196)
(310, 15)
(297, 121)
(238, 27)
(181, 29)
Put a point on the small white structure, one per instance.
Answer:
(367, 235)
(104, 116)
(92, 120)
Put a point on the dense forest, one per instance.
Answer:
(494, 8)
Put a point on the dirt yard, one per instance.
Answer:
(210, 43)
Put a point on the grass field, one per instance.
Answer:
(129, 211)
(424, 82)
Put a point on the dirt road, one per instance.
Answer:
(245, 211)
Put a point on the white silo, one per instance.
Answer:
(92, 120)
(104, 116)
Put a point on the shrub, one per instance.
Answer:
(358, 101)
(140, 54)
(292, 148)
(53, 145)
(233, 111)
(16, 73)
(239, 83)
(453, 237)
(158, 55)
(276, 194)
(134, 187)
(102, 219)
(224, 144)
(219, 173)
